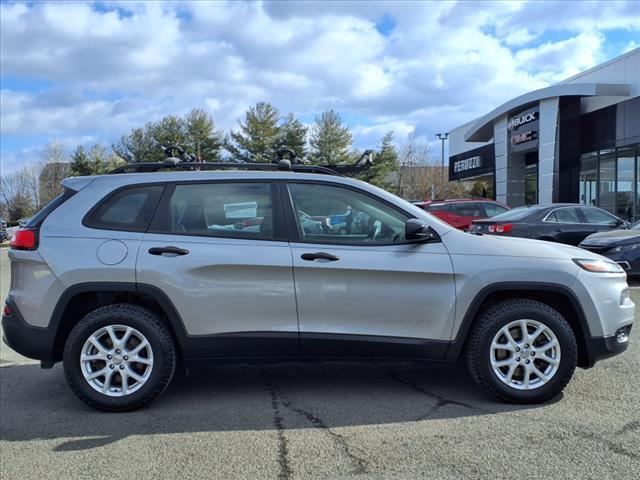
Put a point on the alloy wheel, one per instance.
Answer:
(525, 354)
(116, 360)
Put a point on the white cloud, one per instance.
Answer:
(442, 63)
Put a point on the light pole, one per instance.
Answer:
(442, 137)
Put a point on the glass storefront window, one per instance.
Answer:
(531, 184)
(588, 178)
(607, 183)
(625, 201)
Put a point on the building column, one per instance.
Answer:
(510, 169)
(547, 149)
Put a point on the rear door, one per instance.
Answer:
(218, 250)
(365, 291)
(564, 225)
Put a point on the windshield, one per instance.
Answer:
(514, 214)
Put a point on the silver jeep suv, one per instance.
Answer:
(124, 276)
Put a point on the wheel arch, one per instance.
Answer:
(78, 300)
(557, 296)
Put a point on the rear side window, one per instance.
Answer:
(438, 207)
(467, 209)
(494, 209)
(564, 215)
(129, 209)
(220, 209)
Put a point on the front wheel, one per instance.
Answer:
(119, 357)
(522, 351)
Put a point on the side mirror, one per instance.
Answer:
(416, 230)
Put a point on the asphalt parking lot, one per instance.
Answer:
(326, 420)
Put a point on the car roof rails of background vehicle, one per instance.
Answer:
(293, 164)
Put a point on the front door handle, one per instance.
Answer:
(173, 250)
(310, 257)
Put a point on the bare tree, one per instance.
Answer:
(55, 168)
(17, 195)
(420, 176)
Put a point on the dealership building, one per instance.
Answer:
(577, 141)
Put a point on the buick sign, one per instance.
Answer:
(515, 122)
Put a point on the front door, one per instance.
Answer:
(361, 289)
(218, 251)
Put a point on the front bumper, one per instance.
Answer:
(600, 348)
(29, 341)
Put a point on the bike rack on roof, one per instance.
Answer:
(282, 164)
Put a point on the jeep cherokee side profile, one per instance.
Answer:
(124, 276)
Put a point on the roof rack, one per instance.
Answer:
(190, 162)
(293, 164)
(283, 165)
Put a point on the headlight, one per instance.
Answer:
(624, 248)
(598, 266)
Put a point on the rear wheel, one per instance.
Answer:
(522, 351)
(119, 357)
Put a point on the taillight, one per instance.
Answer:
(6, 311)
(501, 228)
(25, 239)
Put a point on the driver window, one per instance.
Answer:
(332, 214)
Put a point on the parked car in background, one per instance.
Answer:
(561, 222)
(3, 230)
(461, 212)
(11, 230)
(621, 246)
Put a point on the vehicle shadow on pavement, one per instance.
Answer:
(38, 404)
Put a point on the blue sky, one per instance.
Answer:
(86, 73)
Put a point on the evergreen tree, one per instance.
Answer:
(330, 139)
(255, 140)
(203, 139)
(97, 161)
(139, 145)
(80, 162)
(170, 130)
(293, 134)
(385, 161)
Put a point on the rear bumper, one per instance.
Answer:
(600, 348)
(29, 341)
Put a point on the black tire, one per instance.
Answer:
(149, 324)
(478, 350)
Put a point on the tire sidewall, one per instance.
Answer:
(163, 355)
(566, 340)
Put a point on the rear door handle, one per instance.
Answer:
(173, 250)
(310, 257)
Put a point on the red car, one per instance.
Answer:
(461, 212)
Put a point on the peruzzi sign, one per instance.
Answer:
(475, 163)
(467, 164)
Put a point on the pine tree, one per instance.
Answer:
(330, 139)
(80, 162)
(170, 130)
(203, 140)
(255, 140)
(139, 145)
(293, 134)
(385, 161)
